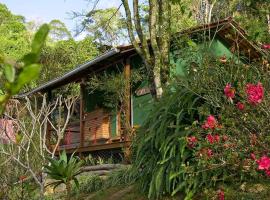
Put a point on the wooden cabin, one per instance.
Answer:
(97, 129)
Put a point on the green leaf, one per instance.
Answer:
(76, 182)
(30, 58)
(9, 71)
(3, 98)
(28, 74)
(40, 38)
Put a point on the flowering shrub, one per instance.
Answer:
(213, 129)
(255, 93)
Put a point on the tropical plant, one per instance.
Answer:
(160, 146)
(14, 76)
(210, 128)
(64, 171)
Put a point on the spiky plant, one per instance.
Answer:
(64, 171)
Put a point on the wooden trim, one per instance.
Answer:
(82, 107)
(99, 147)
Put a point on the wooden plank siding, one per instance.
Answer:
(97, 126)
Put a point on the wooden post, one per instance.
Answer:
(127, 72)
(127, 107)
(82, 104)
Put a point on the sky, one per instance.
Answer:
(47, 10)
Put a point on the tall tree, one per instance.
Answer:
(62, 56)
(106, 26)
(58, 31)
(13, 34)
(158, 35)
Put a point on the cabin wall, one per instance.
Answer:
(141, 100)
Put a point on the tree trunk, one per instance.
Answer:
(156, 56)
(68, 188)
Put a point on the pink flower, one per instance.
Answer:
(266, 46)
(210, 138)
(221, 195)
(252, 156)
(192, 140)
(210, 123)
(217, 138)
(209, 153)
(255, 93)
(264, 163)
(229, 91)
(240, 106)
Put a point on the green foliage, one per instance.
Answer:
(58, 30)
(60, 57)
(120, 177)
(90, 160)
(161, 145)
(166, 162)
(89, 184)
(15, 41)
(64, 170)
(93, 183)
(16, 76)
(113, 87)
(106, 26)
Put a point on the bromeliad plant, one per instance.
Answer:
(64, 171)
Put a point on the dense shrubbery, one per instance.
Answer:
(94, 183)
(208, 131)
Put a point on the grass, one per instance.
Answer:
(118, 193)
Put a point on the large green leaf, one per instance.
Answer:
(9, 72)
(28, 74)
(40, 38)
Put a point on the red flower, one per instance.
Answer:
(221, 195)
(217, 138)
(252, 156)
(255, 93)
(209, 153)
(266, 46)
(192, 140)
(210, 138)
(229, 91)
(210, 123)
(240, 106)
(264, 163)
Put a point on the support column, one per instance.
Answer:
(127, 103)
(127, 110)
(128, 90)
(82, 105)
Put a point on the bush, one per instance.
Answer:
(89, 184)
(93, 183)
(209, 130)
(120, 177)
